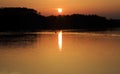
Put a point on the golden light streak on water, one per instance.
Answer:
(60, 40)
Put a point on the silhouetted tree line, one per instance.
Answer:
(25, 19)
(20, 19)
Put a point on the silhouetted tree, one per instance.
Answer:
(20, 19)
(25, 19)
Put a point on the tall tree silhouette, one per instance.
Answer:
(26, 19)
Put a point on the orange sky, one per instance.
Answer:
(108, 8)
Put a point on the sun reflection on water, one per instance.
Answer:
(60, 40)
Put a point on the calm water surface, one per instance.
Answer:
(39, 53)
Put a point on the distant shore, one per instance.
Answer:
(29, 20)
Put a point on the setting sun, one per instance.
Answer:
(59, 10)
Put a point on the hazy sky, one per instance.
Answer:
(108, 8)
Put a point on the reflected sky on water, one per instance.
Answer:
(38, 53)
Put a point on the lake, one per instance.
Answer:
(60, 53)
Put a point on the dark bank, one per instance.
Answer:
(29, 20)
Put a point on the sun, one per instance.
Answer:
(59, 10)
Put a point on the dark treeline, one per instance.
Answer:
(20, 19)
(24, 19)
